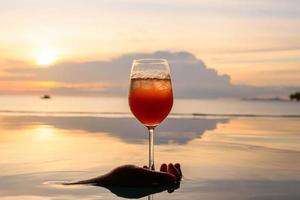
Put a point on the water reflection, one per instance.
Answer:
(34, 146)
(178, 131)
(221, 158)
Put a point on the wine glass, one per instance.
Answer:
(150, 95)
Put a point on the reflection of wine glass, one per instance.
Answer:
(150, 95)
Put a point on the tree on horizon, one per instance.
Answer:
(295, 96)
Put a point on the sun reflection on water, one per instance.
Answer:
(45, 132)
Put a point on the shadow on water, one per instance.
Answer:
(179, 131)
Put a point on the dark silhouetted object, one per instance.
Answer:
(295, 96)
(46, 96)
(130, 181)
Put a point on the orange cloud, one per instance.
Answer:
(40, 86)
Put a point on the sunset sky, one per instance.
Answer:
(257, 42)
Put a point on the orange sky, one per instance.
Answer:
(256, 43)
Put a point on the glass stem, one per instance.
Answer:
(151, 148)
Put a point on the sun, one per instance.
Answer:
(46, 57)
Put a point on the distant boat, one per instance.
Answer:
(46, 96)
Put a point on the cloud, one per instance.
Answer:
(191, 78)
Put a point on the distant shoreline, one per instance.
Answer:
(129, 115)
(273, 99)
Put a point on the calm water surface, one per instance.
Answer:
(97, 106)
(222, 158)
